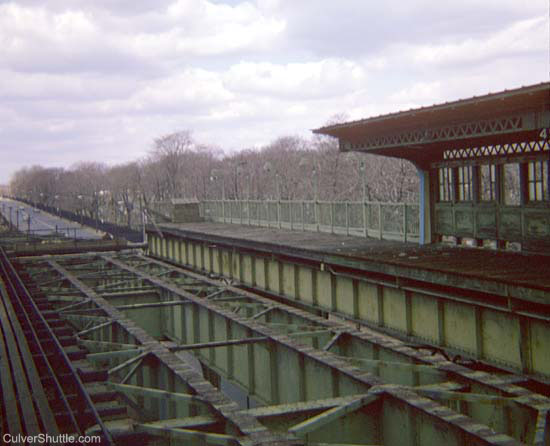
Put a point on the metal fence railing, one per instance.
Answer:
(391, 221)
(132, 234)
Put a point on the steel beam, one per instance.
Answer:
(252, 430)
(175, 434)
(156, 393)
(151, 305)
(318, 421)
(128, 362)
(214, 344)
(101, 356)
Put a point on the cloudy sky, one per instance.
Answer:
(98, 80)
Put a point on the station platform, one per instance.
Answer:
(481, 269)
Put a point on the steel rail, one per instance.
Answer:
(11, 290)
(11, 276)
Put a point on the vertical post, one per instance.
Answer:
(142, 212)
(364, 196)
(17, 218)
(241, 202)
(380, 222)
(278, 201)
(317, 215)
(248, 198)
(223, 200)
(405, 222)
(365, 225)
(347, 218)
(274, 372)
(332, 217)
(290, 214)
(303, 216)
(316, 199)
(425, 235)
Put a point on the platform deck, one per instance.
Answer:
(514, 268)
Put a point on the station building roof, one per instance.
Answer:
(423, 134)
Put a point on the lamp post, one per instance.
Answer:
(248, 184)
(316, 197)
(216, 174)
(143, 217)
(364, 187)
(80, 206)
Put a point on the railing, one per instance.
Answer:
(132, 234)
(390, 221)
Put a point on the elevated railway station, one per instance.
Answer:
(232, 334)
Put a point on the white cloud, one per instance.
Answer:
(524, 37)
(296, 80)
(25, 86)
(193, 89)
(100, 79)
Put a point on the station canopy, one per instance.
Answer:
(425, 134)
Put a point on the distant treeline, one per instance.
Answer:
(289, 168)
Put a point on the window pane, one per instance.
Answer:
(487, 182)
(511, 184)
(537, 179)
(445, 184)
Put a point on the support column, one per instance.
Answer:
(425, 207)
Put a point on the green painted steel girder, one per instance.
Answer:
(318, 421)
(185, 422)
(188, 435)
(95, 327)
(152, 304)
(214, 344)
(101, 356)
(127, 363)
(155, 393)
(409, 366)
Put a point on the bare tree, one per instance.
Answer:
(125, 190)
(169, 151)
(290, 167)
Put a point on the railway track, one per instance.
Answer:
(42, 374)
(137, 314)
